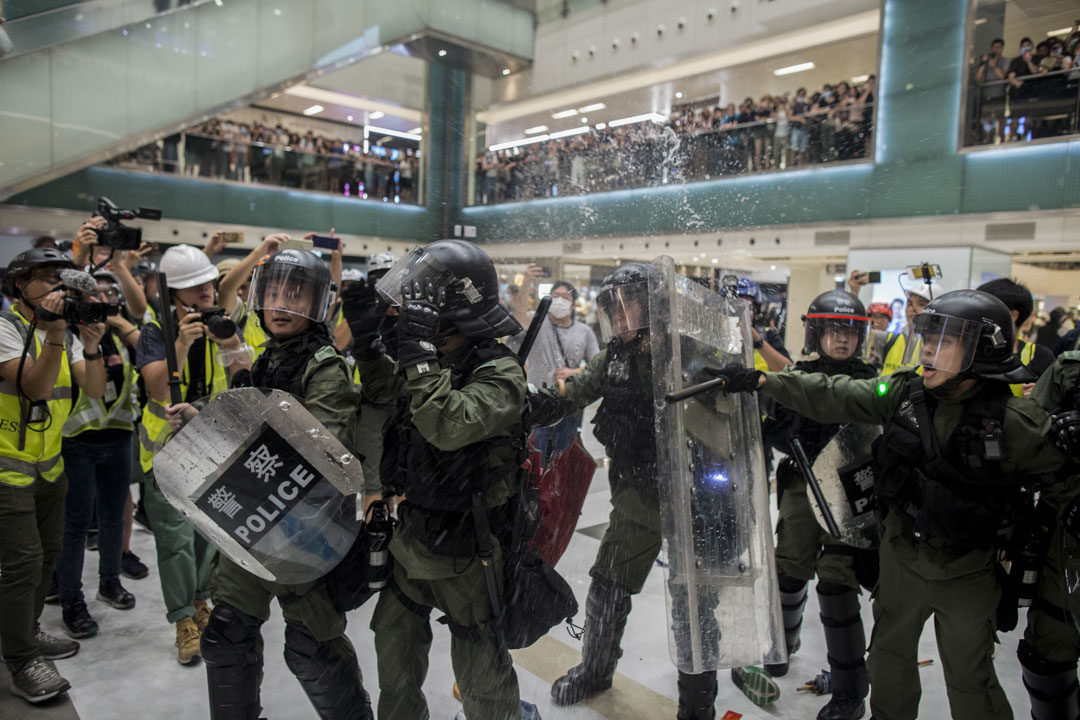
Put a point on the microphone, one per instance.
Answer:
(78, 280)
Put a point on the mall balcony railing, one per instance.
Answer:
(1032, 108)
(355, 174)
(608, 160)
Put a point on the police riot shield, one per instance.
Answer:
(722, 598)
(845, 472)
(265, 483)
(1070, 571)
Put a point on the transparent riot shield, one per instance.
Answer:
(722, 597)
(1070, 571)
(266, 483)
(845, 472)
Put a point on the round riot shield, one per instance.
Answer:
(265, 483)
(722, 596)
(845, 473)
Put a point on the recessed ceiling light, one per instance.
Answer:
(772, 267)
(349, 118)
(801, 67)
(376, 115)
(716, 261)
(678, 95)
(592, 108)
(584, 119)
(860, 79)
(980, 21)
(536, 129)
(564, 114)
(601, 126)
(442, 53)
(506, 71)
(314, 110)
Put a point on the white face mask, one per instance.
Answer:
(560, 307)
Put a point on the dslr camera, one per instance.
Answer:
(217, 322)
(116, 234)
(80, 312)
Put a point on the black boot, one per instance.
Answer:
(792, 602)
(697, 696)
(606, 610)
(1052, 686)
(329, 674)
(846, 644)
(232, 654)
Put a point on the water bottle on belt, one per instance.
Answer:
(380, 528)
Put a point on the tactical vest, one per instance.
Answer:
(29, 449)
(624, 423)
(1027, 354)
(440, 480)
(117, 413)
(152, 426)
(957, 493)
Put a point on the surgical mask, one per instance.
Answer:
(560, 307)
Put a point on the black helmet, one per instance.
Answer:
(622, 290)
(26, 261)
(984, 326)
(295, 268)
(469, 278)
(835, 309)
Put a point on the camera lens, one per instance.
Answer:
(221, 327)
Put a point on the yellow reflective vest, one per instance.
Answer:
(31, 449)
(152, 427)
(254, 335)
(97, 414)
(894, 354)
(759, 362)
(1027, 353)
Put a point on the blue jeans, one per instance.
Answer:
(96, 471)
(550, 441)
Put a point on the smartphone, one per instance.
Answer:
(232, 237)
(923, 272)
(545, 272)
(873, 277)
(325, 242)
(296, 244)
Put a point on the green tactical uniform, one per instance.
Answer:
(919, 575)
(488, 406)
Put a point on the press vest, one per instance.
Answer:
(153, 422)
(1026, 355)
(28, 450)
(254, 335)
(96, 414)
(759, 362)
(894, 354)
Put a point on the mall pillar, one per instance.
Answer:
(444, 145)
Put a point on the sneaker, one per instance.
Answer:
(54, 648)
(91, 540)
(187, 641)
(38, 681)
(52, 595)
(202, 614)
(112, 592)
(77, 620)
(756, 684)
(132, 567)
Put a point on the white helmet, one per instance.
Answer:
(186, 266)
(381, 261)
(351, 274)
(920, 289)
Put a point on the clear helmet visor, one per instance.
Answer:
(942, 342)
(418, 266)
(839, 337)
(277, 288)
(624, 310)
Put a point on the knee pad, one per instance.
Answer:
(230, 638)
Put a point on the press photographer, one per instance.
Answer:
(41, 362)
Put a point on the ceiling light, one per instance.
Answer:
(568, 133)
(678, 95)
(592, 108)
(860, 79)
(416, 131)
(277, 12)
(314, 110)
(1062, 31)
(772, 267)
(349, 118)
(536, 129)
(655, 117)
(601, 126)
(391, 133)
(564, 114)
(980, 21)
(506, 71)
(801, 67)
(442, 53)
(376, 115)
(585, 120)
(518, 143)
(716, 261)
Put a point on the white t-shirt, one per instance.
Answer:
(11, 344)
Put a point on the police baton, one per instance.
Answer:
(534, 328)
(801, 460)
(700, 388)
(168, 329)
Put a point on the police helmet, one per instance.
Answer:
(301, 285)
(840, 311)
(624, 300)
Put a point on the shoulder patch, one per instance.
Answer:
(326, 351)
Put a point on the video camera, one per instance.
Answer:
(115, 234)
(80, 312)
(216, 321)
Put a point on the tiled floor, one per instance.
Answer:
(128, 671)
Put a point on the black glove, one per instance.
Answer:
(737, 378)
(362, 308)
(1065, 432)
(546, 408)
(418, 323)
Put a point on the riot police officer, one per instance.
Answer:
(836, 331)
(957, 450)
(290, 295)
(453, 448)
(621, 376)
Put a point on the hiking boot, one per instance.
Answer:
(132, 567)
(187, 641)
(756, 684)
(77, 620)
(606, 609)
(843, 706)
(202, 614)
(54, 648)
(52, 595)
(37, 681)
(110, 591)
